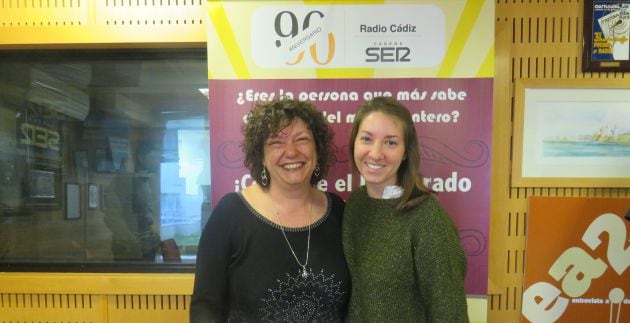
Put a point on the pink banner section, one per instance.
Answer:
(454, 122)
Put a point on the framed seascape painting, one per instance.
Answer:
(571, 133)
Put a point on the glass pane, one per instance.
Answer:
(104, 158)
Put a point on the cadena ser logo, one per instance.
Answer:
(348, 36)
(303, 33)
(293, 36)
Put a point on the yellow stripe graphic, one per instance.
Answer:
(228, 39)
(462, 33)
(487, 67)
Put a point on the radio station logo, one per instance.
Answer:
(348, 36)
(388, 51)
(299, 35)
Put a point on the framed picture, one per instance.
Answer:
(606, 34)
(571, 133)
(42, 184)
(43, 179)
(73, 201)
(93, 196)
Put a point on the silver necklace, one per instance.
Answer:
(303, 272)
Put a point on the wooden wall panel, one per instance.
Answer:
(535, 39)
(94, 298)
(102, 23)
(16, 307)
(148, 308)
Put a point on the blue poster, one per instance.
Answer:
(611, 31)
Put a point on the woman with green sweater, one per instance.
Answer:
(403, 251)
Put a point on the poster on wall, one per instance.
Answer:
(576, 265)
(436, 58)
(606, 35)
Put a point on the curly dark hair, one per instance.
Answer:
(267, 119)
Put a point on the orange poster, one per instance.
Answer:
(577, 260)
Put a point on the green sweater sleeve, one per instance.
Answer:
(440, 264)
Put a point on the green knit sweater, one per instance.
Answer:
(404, 268)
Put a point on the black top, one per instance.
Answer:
(246, 272)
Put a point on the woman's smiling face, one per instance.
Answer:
(291, 156)
(379, 148)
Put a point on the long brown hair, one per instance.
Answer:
(408, 175)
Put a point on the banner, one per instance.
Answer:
(436, 58)
(576, 265)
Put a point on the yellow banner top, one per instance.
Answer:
(358, 39)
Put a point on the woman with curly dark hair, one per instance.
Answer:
(272, 252)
